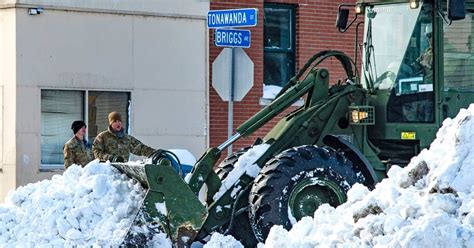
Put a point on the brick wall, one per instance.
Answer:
(315, 31)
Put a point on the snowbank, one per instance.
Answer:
(429, 203)
(91, 206)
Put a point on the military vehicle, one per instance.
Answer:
(416, 66)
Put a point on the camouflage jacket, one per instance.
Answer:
(76, 152)
(426, 61)
(108, 143)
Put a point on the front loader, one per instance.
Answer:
(349, 132)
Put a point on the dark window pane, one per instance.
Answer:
(279, 53)
(59, 108)
(277, 68)
(277, 28)
(100, 105)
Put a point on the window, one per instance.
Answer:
(100, 105)
(401, 62)
(459, 55)
(279, 44)
(59, 108)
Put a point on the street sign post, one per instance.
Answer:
(232, 82)
(232, 18)
(232, 38)
(232, 71)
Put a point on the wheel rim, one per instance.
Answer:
(311, 193)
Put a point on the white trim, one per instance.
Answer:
(51, 167)
(86, 112)
(265, 101)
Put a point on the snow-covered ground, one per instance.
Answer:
(429, 203)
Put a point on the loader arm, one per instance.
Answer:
(315, 84)
(203, 172)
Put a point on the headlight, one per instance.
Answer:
(362, 115)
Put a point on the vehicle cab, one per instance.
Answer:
(417, 65)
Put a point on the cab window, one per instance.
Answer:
(411, 89)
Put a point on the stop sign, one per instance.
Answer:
(232, 76)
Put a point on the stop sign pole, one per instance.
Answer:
(230, 105)
(232, 78)
(232, 70)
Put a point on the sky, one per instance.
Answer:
(429, 203)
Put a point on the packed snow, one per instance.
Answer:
(91, 206)
(429, 203)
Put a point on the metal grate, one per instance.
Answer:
(362, 115)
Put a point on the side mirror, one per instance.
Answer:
(341, 21)
(456, 9)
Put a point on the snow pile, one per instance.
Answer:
(91, 206)
(430, 203)
(160, 241)
(219, 241)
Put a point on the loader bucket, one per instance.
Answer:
(169, 206)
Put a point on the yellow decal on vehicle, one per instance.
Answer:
(408, 135)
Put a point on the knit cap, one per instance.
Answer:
(77, 125)
(114, 116)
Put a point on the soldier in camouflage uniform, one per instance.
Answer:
(76, 150)
(115, 145)
(424, 63)
(421, 110)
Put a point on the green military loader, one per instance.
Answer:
(417, 68)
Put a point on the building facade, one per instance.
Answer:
(78, 60)
(287, 34)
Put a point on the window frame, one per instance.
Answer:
(60, 167)
(292, 29)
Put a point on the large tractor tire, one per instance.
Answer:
(227, 165)
(240, 227)
(298, 181)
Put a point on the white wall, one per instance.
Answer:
(161, 60)
(7, 100)
(171, 92)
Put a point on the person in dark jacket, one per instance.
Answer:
(76, 150)
(115, 145)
